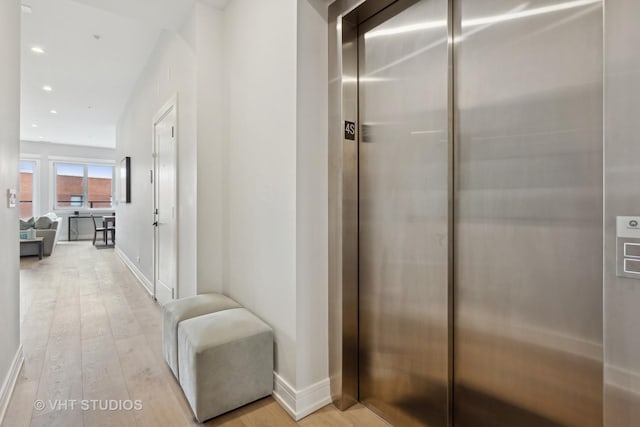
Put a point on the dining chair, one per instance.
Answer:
(97, 230)
(109, 222)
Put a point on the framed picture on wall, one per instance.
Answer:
(125, 180)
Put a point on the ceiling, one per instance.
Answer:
(95, 50)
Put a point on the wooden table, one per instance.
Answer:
(39, 241)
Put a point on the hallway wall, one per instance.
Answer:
(312, 212)
(171, 71)
(210, 111)
(275, 218)
(275, 184)
(9, 151)
(252, 102)
(260, 185)
(622, 197)
(187, 65)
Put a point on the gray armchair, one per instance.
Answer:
(50, 237)
(46, 227)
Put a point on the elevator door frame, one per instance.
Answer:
(344, 18)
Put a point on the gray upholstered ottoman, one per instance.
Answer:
(175, 312)
(226, 361)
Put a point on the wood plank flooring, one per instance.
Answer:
(91, 332)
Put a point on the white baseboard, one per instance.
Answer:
(313, 397)
(301, 403)
(285, 395)
(148, 286)
(10, 382)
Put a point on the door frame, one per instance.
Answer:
(167, 108)
(345, 16)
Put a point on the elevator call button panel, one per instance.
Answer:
(628, 246)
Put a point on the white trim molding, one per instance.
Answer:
(284, 394)
(35, 183)
(301, 403)
(81, 160)
(10, 382)
(148, 286)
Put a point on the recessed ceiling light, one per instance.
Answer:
(47, 88)
(53, 111)
(33, 125)
(37, 49)
(41, 137)
(26, 8)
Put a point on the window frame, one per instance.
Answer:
(85, 163)
(35, 186)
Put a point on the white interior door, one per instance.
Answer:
(165, 240)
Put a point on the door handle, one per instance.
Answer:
(155, 223)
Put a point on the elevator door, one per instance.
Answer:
(403, 196)
(528, 258)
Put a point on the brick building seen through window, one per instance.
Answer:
(69, 185)
(27, 176)
(70, 192)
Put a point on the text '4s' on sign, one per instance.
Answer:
(349, 130)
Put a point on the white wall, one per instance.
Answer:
(275, 218)
(169, 72)
(311, 195)
(189, 65)
(9, 151)
(260, 185)
(208, 45)
(44, 152)
(252, 86)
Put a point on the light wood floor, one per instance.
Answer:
(90, 331)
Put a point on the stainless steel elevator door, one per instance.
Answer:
(403, 237)
(528, 296)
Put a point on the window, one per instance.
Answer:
(83, 186)
(27, 188)
(100, 186)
